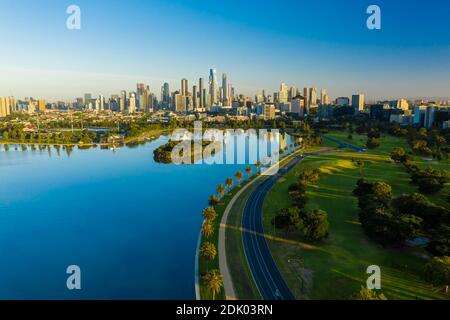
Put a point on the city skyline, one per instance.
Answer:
(330, 48)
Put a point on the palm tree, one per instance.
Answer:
(229, 183)
(214, 282)
(209, 214)
(239, 176)
(209, 252)
(257, 164)
(248, 170)
(220, 190)
(207, 229)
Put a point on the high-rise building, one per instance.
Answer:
(41, 106)
(87, 98)
(184, 87)
(225, 93)
(213, 87)
(123, 101)
(324, 97)
(202, 95)
(358, 102)
(292, 93)
(306, 95)
(102, 102)
(165, 94)
(312, 97)
(343, 101)
(283, 94)
(195, 103)
(269, 111)
(4, 107)
(298, 105)
(429, 117)
(132, 103)
(140, 87)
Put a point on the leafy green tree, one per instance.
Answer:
(229, 183)
(287, 219)
(315, 225)
(398, 154)
(373, 143)
(437, 271)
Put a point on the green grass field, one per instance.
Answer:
(336, 269)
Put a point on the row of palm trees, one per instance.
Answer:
(213, 279)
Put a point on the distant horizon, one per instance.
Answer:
(156, 41)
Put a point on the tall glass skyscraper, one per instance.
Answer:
(213, 86)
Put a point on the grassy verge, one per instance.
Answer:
(336, 269)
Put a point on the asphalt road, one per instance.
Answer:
(268, 278)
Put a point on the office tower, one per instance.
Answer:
(264, 94)
(87, 98)
(3, 107)
(358, 102)
(123, 101)
(165, 94)
(225, 93)
(343, 101)
(298, 105)
(292, 93)
(41, 105)
(184, 87)
(140, 87)
(283, 94)
(132, 103)
(324, 97)
(213, 87)
(429, 117)
(195, 103)
(202, 98)
(312, 97)
(269, 111)
(102, 102)
(97, 104)
(306, 95)
(402, 104)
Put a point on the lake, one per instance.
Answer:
(129, 223)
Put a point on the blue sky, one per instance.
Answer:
(322, 43)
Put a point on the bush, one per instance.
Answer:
(373, 143)
(368, 294)
(437, 271)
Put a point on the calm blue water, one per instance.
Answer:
(129, 223)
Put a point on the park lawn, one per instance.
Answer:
(336, 269)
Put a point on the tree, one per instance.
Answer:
(207, 229)
(214, 282)
(5, 135)
(248, 170)
(398, 155)
(437, 271)
(209, 214)
(360, 164)
(287, 219)
(373, 143)
(229, 183)
(220, 190)
(368, 294)
(316, 225)
(208, 252)
(239, 177)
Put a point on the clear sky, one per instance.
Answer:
(321, 43)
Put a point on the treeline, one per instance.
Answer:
(428, 180)
(65, 137)
(313, 224)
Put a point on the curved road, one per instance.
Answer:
(268, 278)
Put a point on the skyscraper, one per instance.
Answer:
(225, 93)
(312, 97)
(283, 94)
(201, 87)
(324, 97)
(358, 102)
(132, 105)
(213, 87)
(184, 87)
(102, 102)
(195, 97)
(306, 95)
(165, 94)
(123, 101)
(292, 93)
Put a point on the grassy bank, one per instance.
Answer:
(336, 269)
